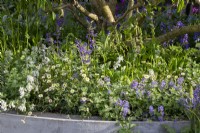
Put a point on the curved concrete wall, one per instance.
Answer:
(11, 123)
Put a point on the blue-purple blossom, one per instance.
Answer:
(154, 84)
(107, 79)
(195, 9)
(125, 111)
(163, 27)
(49, 40)
(125, 106)
(109, 91)
(59, 21)
(119, 102)
(171, 83)
(83, 51)
(196, 97)
(162, 85)
(184, 39)
(180, 80)
(148, 93)
(134, 84)
(160, 108)
(179, 24)
(160, 118)
(151, 110)
(196, 37)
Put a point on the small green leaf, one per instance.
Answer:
(53, 16)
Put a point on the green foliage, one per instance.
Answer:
(121, 80)
(168, 129)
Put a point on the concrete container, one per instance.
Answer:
(56, 123)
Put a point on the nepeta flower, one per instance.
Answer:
(107, 79)
(163, 27)
(196, 37)
(171, 83)
(196, 97)
(154, 84)
(125, 106)
(125, 111)
(151, 110)
(160, 108)
(134, 84)
(162, 85)
(83, 51)
(119, 102)
(179, 24)
(59, 21)
(180, 80)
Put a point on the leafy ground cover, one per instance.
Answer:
(52, 64)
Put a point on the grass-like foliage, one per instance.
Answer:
(49, 63)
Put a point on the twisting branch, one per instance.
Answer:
(106, 11)
(177, 32)
(81, 21)
(85, 12)
(139, 4)
(130, 5)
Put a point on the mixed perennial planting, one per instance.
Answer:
(50, 62)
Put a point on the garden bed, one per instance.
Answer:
(57, 123)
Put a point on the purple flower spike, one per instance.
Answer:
(162, 85)
(180, 80)
(151, 110)
(134, 84)
(160, 109)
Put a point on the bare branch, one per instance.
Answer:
(128, 11)
(177, 32)
(130, 5)
(82, 22)
(85, 12)
(106, 11)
